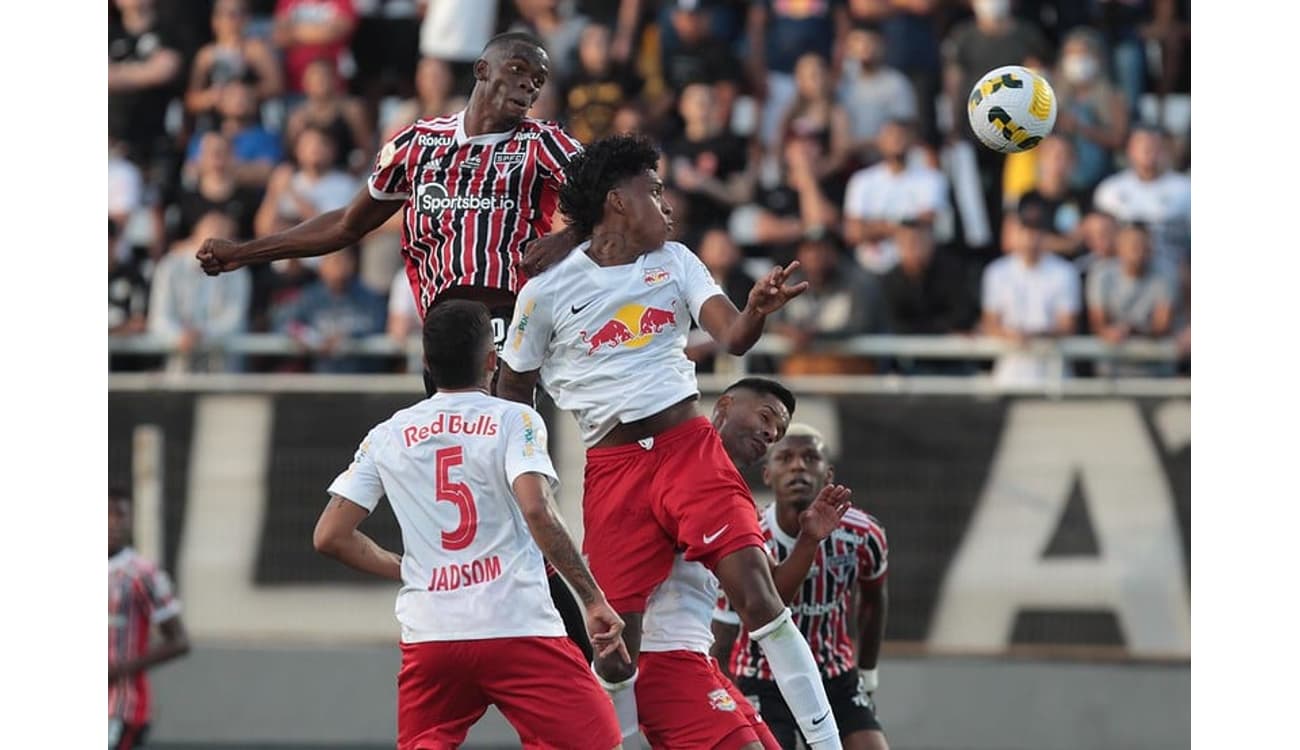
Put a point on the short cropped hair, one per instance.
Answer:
(765, 386)
(457, 334)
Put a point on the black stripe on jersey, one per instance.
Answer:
(480, 242)
(550, 142)
(876, 554)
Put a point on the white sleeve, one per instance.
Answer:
(525, 439)
(1106, 198)
(1069, 302)
(697, 282)
(361, 482)
(530, 330)
(853, 198)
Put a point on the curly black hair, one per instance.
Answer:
(591, 174)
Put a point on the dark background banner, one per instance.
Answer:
(918, 463)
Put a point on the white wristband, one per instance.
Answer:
(870, 679)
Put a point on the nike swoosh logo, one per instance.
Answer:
(576, 310)
(708, 538)
(823, 718)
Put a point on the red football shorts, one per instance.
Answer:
(643, 502)
(541, 685)
(684, 701)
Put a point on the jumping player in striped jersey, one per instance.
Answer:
(140, 598)
(475, 188)
(853, 557)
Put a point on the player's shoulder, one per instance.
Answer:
(861, 521)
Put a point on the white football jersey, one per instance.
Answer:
(610, 341)
(678, 614)
(470, 569)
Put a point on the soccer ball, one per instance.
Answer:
(1011, 109)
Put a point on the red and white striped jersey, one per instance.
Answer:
(139, 597)
(472, 202)
(855, 553)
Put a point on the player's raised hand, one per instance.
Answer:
(771, 292)
(824, 514)
(605, 628)
(216, 256)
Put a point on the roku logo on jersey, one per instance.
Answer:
(450, 424)
(452, 577)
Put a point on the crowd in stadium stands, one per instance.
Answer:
(831, 131)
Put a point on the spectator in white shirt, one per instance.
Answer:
(1149, 193)
(879, 199)
(1029, 293)
(189, 308)
(871, 92)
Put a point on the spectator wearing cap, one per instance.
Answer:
(881, 197)
(1148, 192)
(597, 88)
(842, 301)
(710, 166)
(1126, 297)
(870, 91)
(1064, 206)
(779, 34)
(1026, 294)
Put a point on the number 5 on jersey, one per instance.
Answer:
(459, 495)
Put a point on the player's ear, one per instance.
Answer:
(767, 477)
(614, 200)
(481, 69)
(830, 474)
(493, 361)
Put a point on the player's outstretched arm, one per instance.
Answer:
(533, 493)
(325, 233)
(737, 330)
(336, 535)
(815, 524)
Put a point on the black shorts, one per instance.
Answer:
(851, 707)
(500, 324)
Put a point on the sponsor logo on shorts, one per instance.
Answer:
(721, 700)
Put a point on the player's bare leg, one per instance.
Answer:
(746, 577)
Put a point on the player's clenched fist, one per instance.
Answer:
(216, 255)
(605, 628)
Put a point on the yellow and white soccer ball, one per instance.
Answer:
(1011, 109)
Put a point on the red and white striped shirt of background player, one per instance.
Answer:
(856, 552)
(472, 202)
(139, 597)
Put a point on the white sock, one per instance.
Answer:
(799, 680)
(624, 698)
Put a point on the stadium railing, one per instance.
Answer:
(950, 347)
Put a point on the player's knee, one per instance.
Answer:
(613, 669)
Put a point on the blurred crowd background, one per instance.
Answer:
(831, 131)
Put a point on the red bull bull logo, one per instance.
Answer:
(633, 326)
(654, 276)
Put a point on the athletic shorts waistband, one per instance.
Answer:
(667, 437)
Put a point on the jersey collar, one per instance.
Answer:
(778, 533)
(484, 139)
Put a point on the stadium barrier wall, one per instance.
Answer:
(1053, 527)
